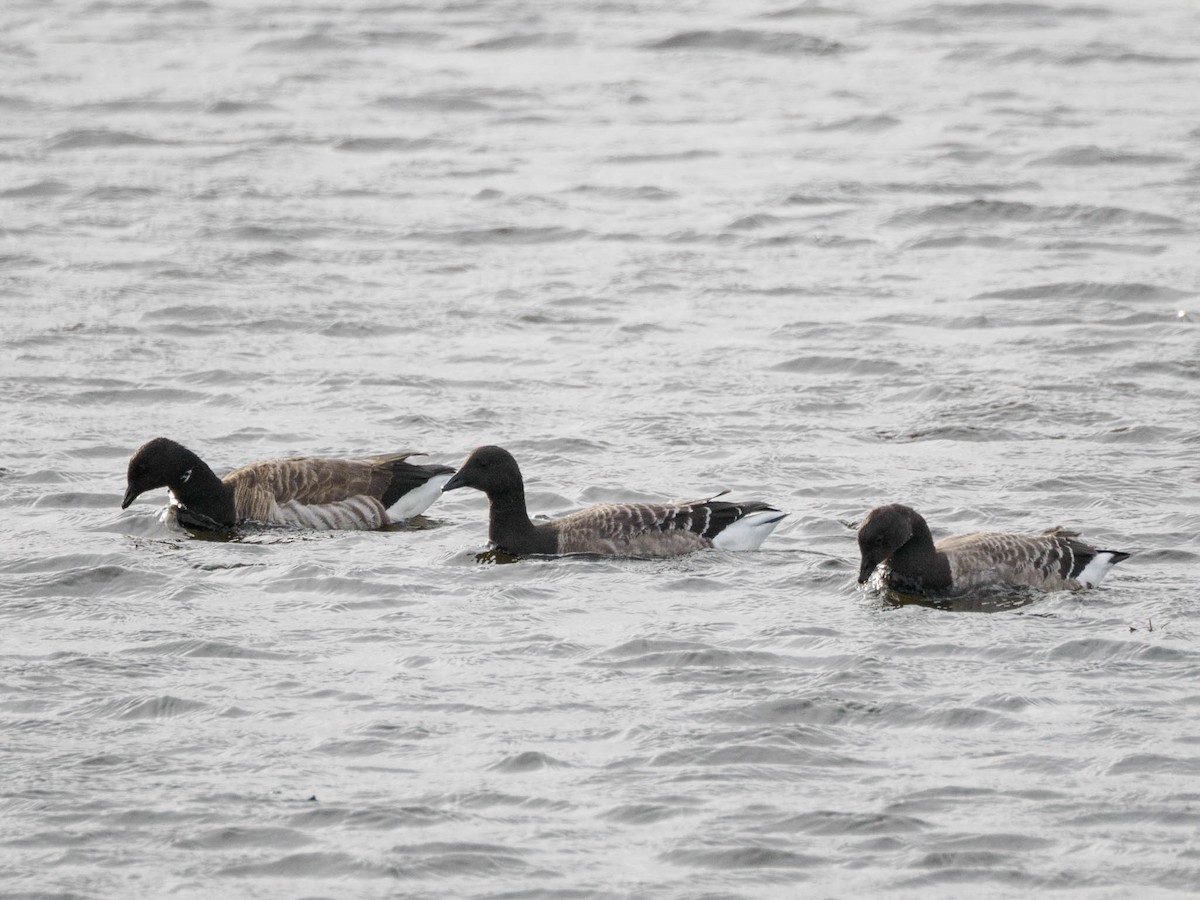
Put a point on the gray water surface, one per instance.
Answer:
(826, 254)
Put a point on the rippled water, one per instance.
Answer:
(828, 254)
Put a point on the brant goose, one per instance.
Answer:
(609, 529)
(303, 491)
(898, 536)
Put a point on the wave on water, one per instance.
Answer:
(1091, 155)
(325, 864)
(183, 6)
(38, 189)
(73, 500)
(1095, 649)
(834, 822)
(755, 222)
(679, 156)
(1174, 765)
(645, 813)
(307, 43)
(839, 366)
(641, 192)
(89, 583)
(1021, 10)
(504, 234)
(384, 144)
(230, 837)
(1144, 434)
(989, 242)
(976, 188)
(523, 41)
(403, 36)
(1105, 247)
(373, 818)
(356, 747)
(941, 18)
(671, 655)
(528, 761)
(865, 191)
(238, 107)
(953, 432)
(979, 212)
(448, 101)
(147, 395)
(744, 857)
(785, 43)
(90, 138)
(138, 104)
(868, 124)
(1088, 290)
(1089, 54)
(809, 10)
(162, 707)
(206, 649)
(280, 232)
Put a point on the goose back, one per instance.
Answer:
(1055, 560)
(316, 492)
(651, 529)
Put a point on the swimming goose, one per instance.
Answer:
(303, 491)
(609, 529)
(898, 536)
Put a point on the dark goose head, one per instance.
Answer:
(157, 463)
(884, 531)
(491, 470)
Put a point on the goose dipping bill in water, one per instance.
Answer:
(304, 491)
(609, 529)
(898, 537)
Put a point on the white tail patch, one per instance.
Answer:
(417, 500)
(748, 532)
(1094, 571)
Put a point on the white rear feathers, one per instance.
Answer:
(1095, 570)
(748, 532)
(418, 499)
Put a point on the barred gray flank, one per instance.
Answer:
(1048, 560)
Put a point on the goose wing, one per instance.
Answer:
(649, 529)
(309, 479)
(312, 492)
(1052, 560)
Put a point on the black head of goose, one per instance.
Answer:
(609, 529)
(304, 491)
(898, 537)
